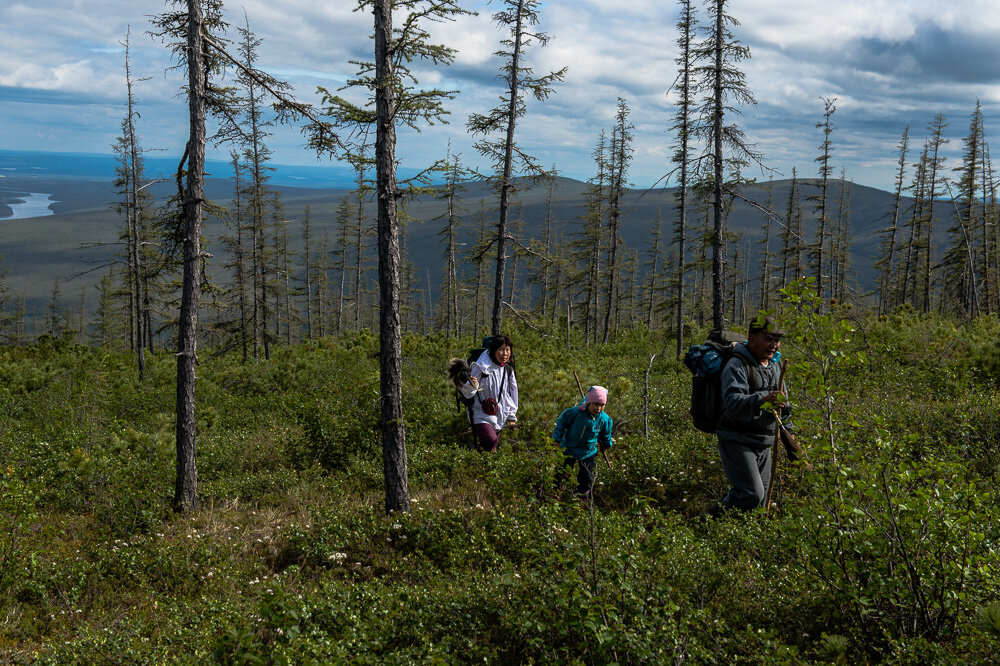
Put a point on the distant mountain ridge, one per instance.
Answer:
(82, 234)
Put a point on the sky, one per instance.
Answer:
(889, 64)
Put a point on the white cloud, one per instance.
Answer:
(889, 62)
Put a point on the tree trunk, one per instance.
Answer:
(884, 301)
(186, 488)
(397, 496)
(505, 184)
(135, 214)
(717, 165)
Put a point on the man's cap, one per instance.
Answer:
(767, 324)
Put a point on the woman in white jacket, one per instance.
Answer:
(493, 389)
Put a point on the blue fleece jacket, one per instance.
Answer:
(581, 434)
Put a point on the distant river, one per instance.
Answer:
(36, 204)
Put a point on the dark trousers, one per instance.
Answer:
(584, 474)
(748, 470)
(487, 438)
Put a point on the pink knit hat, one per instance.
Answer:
(597, 394)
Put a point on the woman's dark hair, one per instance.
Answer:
(498, 341)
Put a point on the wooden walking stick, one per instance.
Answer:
(583, 395)
(777, 437)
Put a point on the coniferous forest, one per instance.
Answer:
(249, 451)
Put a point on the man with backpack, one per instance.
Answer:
(746, 432)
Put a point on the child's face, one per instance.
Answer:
(595, 408)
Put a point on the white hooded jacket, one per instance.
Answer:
(497, 382)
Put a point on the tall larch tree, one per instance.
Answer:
(189, 24)
(477, 255)
(887, 261)
(991, 246)
(395, 99)
(911, 261)
(508, 158)
(765, 251)
(935, 185)
(545, 269)
(130, 173)
(791, 235)
(236, 243)
(192, 28)
(450, 193)
(339, 256)
(621, 158)
(308, 272)
(686, 28)
(965, 261)
(653, 264)
(592, 241)
(817, 254)
(840, 247)
(722, 86)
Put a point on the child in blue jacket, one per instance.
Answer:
(582, 431)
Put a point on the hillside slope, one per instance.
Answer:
(80, 238)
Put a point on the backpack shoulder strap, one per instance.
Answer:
(751, 372)
(748, 367)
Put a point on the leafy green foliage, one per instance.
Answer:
(885, 552)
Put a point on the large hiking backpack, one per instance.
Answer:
(706, 362)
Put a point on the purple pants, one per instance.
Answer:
(486, 437)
